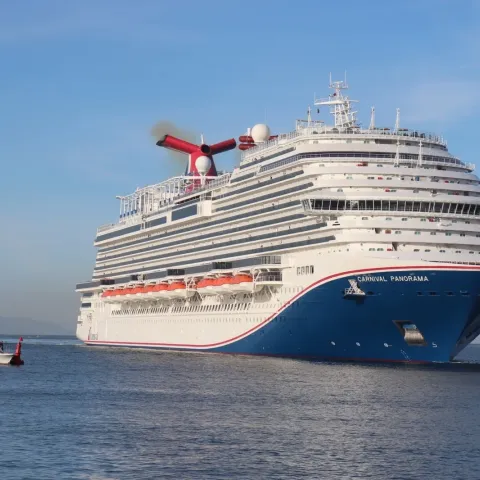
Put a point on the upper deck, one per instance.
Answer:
(317, 131)
(147, 206)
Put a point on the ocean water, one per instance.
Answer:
(75, 412)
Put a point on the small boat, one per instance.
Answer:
(5, 358)
(9, 358)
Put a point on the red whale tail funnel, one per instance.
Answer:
(206, 166)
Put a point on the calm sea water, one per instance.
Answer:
(76, 412)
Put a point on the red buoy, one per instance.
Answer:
(17, 357)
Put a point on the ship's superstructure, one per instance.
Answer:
(332, 241)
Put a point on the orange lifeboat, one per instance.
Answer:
(118, 295)
(215, 286)
(223, 284)
(112, 294)
(129, 291)
(242, 277)
(242, 282)
(176, 289)
(159, 290)
(107, 296)
(138, 289)
(148, 289)
(206, 286)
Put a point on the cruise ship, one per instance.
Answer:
(333, 241)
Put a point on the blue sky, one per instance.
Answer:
(82, 83)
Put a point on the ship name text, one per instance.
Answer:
(393, 278)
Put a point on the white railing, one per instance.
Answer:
(268, 277)
(149, 201)
(215, 182)
(347, 133)
(309, 210)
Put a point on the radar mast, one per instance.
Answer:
(341, 106)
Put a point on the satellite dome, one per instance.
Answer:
(260, 133)
(203, 164)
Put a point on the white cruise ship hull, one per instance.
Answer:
(330, 241)
(316, 318)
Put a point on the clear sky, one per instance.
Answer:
(82, 83)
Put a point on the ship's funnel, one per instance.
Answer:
(205, 149)
(196, 151)
(223, 146)
(177, 144)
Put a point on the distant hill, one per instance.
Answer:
(29, 326)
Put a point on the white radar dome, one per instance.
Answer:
(203, 164)
(260, 133)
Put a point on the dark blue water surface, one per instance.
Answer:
(92, 413)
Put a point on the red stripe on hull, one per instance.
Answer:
(271, 317)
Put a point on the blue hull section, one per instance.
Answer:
(323, 323)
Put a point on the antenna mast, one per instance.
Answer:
(372, 119)
(341, 106)
(397, 121)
